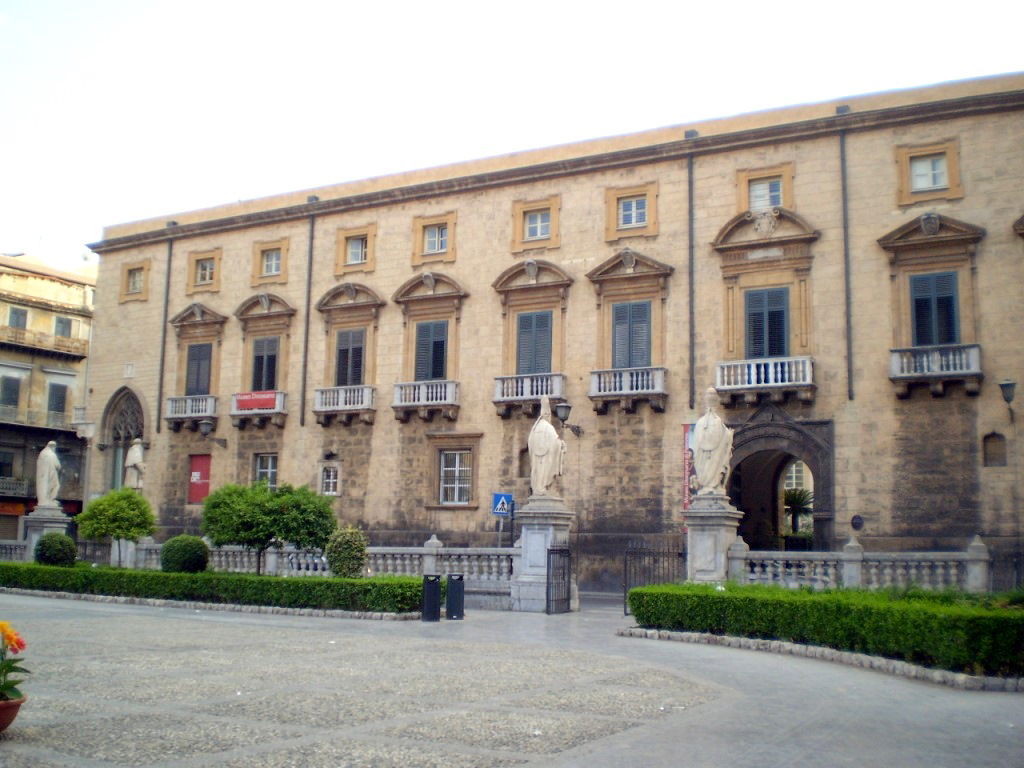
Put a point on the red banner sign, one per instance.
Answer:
(256, 401)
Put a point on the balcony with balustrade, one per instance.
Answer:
(525, 392)
(936, 366)
(342, 404)
(775, 378)
(426, 399)
(189, 410)
(628, 387)
(46, 343)
(258, 409)
(12, 414)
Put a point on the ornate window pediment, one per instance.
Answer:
(198, 321)
(432, 288)
(349, 299)
(755, 241)
(930, 237)
(264, 313)
(628, 266)
(532, 276)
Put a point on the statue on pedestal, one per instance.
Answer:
(134, 465)
(547, 451)
(712, 445)
(47, 476)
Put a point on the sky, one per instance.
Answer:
(113, 111)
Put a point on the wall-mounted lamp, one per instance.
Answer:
(562, 411)
(330, 455)
(1006, 386)
(206, 428)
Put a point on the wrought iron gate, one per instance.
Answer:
(559, 581)
(645, 565)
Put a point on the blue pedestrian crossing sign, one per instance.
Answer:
(502, 506)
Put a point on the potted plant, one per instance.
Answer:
(11, 698)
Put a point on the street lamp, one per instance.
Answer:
(206, 428)
(1007, 387)
(562, 411)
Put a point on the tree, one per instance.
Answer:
(259, 518)
(798, 501)
(121, 514)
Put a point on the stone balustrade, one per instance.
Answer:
(14, 550)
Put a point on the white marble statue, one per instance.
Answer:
(547, 451)
(47, 476)
(712, 443)
(134, 466)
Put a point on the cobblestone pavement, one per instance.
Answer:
(120, 685)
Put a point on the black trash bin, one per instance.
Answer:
(454, 604)
(431, 598)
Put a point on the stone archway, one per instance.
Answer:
(123, 420)
(770, 436)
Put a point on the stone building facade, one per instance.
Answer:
(848, 275)
(45, 327)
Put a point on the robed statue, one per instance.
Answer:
(712, 448)
(47, 476)
(134, 466)
(547, 451)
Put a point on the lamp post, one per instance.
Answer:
(206, 428)
(1007, 386)
(562, 411)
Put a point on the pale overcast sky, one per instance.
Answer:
(115, 110)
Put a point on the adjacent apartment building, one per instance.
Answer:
(45, 320)
(848, 276)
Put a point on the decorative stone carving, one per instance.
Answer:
(47, 476)
(930, 224)
(134, 465)
(712, 448)
(765, 222)
(547, 451)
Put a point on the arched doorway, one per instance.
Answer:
(763, 449)
(123, 421)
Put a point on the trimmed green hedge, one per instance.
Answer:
(387, 594)
(946, 630)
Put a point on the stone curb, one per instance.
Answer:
(889, 666)
(194, 605)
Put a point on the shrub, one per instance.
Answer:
(56, 549)
(121, 514)
(346, 552)
(184, 554)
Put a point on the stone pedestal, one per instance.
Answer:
(711, 523)
(545, 523)
(43, 519)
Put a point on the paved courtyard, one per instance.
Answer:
(116, 685)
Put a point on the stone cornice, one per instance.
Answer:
(675, 150)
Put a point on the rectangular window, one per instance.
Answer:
(6, 464)
(431, 350)
(537, 225)
(197, 371)
(767, 323)
(270, 260)
(57, 398)
(329, 480)
(204, 271)
(456, 477)
(928, 172)
(533, 347)
(356, 250)
(631, 334)
(349, 360)
(934, 307)
(17, 317)
(265, 468)
(435, 238)
(133, 280)
(62, 326)
(765, 193)
(10, 391)
(264, 364)
(632, 212)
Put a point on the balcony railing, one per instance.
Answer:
(935, 365)
(628, 385)
(526, 391)
(258, 408)
(426, 397)
(14, 486)
(192, 407)
(49, 419)
(774, 376)
(343, 403)
(47, 341)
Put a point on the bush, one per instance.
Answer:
(120, 514)
(346, 552)
(945, 630)
(384, 594)
(56, 549)
(184, 554)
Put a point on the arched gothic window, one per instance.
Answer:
(124, 421)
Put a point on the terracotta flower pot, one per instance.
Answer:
(9, 711)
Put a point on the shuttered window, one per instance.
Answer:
(197, 371)
(349, 365)
(431, 349)
(62, 326)
(533, 350)
(18, 317)
(934, 304)
(631, 335)
(57, 401)
(10, 390)
(767, 313)
(264, 364)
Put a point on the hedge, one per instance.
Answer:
(386, 594)
(946, 630)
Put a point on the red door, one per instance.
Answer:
(198, 478)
